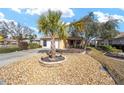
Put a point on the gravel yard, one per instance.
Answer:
(77, 69)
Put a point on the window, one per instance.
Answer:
(44, 43)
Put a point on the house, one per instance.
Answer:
(71, 42)
(118, 40)
(36, 40)
(45, 42)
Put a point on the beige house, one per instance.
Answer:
(46, 43)
(71, 42)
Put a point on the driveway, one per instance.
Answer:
(8, 58)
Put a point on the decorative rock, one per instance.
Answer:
(77, 69)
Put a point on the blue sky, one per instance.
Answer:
(29, 16)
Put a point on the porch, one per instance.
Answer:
(74, 43)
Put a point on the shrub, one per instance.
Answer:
(8, 50)
(23, 45)
(109, 48)
(34, 45)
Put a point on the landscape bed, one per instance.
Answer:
(114, 67)
(77, 69)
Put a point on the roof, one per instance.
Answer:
(70, 38)
(48, 37)
(120, 35)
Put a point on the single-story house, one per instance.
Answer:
(71, 42)
(37, 40)
(118, 40)
(14, 42)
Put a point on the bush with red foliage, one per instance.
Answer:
(23, 45)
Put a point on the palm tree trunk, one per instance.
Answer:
(53, 49)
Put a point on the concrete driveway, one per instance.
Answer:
(8, 58)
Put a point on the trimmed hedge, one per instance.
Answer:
(8, 50)
(110, 49)
(34, 45)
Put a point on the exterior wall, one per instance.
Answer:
(41, 43)
(59, 44)
(48, 44)
(118, 41)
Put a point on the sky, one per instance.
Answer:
(29, 16)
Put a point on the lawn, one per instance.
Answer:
(77, 69)
(9, 49)
(114, 67)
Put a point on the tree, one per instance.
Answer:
(87, 27)
(108, 29)
(52, 25)
(31, 37)
(1, 38)
(15, 30)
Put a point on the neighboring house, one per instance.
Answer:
(14, 42)
(37, 40)
(118, 40)
(11, 41)
(71, 42)
(96, 42)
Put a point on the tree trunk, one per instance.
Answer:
(5, 43)
(18, 42)
(53, 49)
(85, 44)
(96, 44)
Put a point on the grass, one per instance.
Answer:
(115, 68)
(8, 50)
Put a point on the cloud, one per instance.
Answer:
(103, 17)
(2, 15)
(66, 12)
(2, 18)
(122, 9)
(16, 10)
(35, 29)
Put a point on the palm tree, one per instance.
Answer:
(52, 25)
